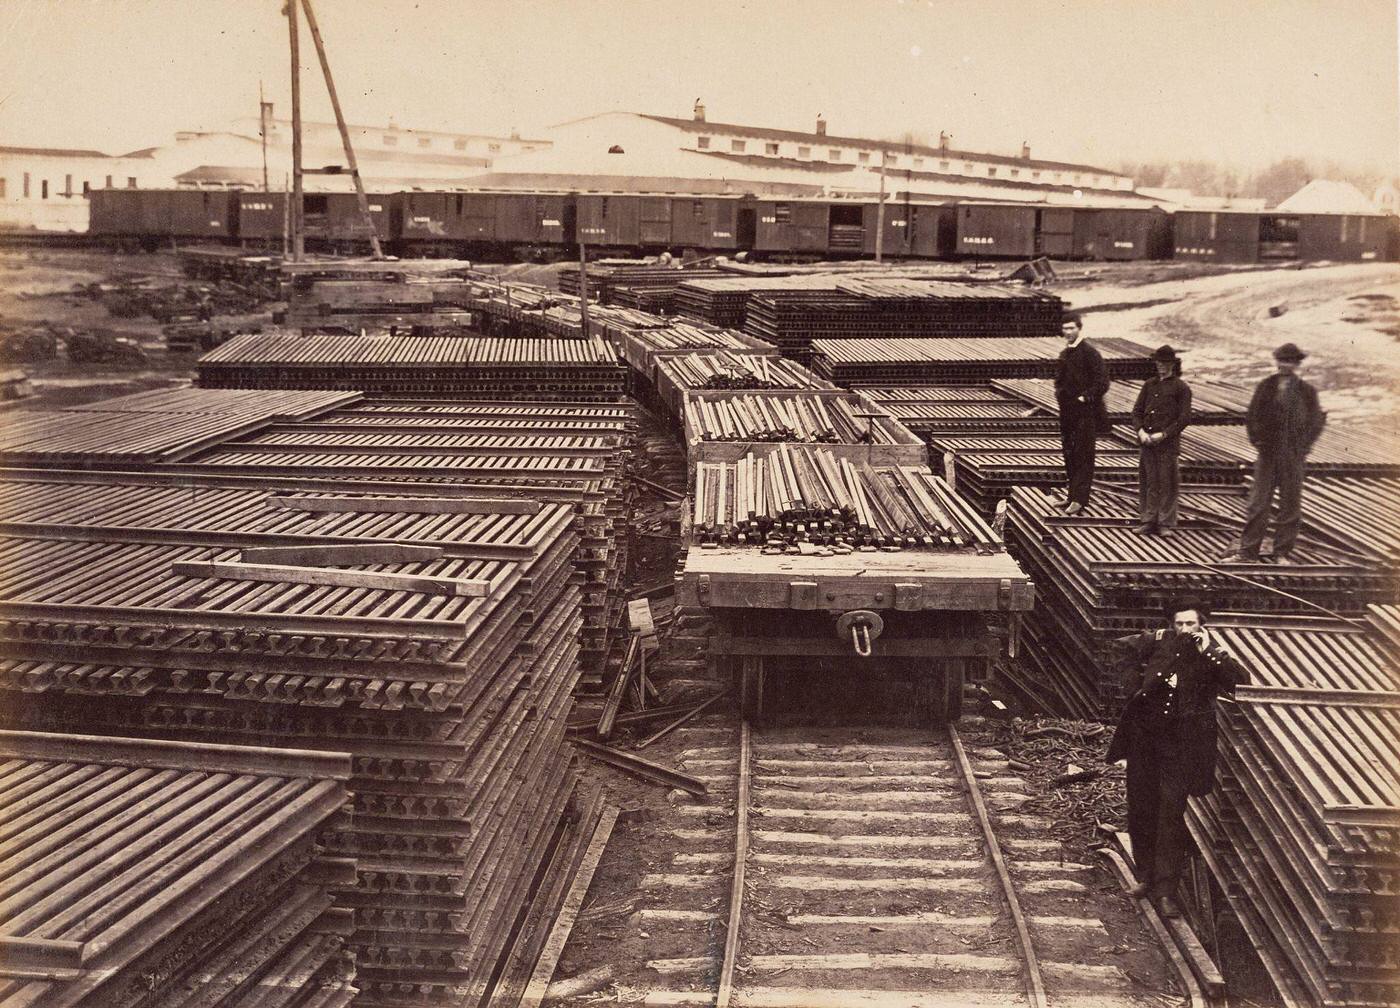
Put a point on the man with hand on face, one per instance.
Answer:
(1161, 413)
(1283, 422)
(1081, 381)
(1167, 735)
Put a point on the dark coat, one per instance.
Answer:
(1273, 427)
(1201, 677)
(1079, 372)
(1163, 407)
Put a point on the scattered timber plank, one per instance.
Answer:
(333, 556)
(278, 574)
(408, 505)
(537, 988)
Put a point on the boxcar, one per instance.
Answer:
(626, 221)
(1217, 235)
(793, 225)
(993, 229)
(156, 214)
(476, 218)
(911, 229)
(327, 217)
(1343, 236)
(1126, 234)
(707, 222)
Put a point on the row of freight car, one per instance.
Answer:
(487, 224)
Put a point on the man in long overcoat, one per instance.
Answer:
(1081, 382)
(1161, 413)
(1283, 422)
(1167, 735)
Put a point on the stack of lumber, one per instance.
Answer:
(893, 308)
(641, 279)
(835, 418)
(1211, 402)
(144, 873)
(1096, 580)
(961, 361)
(440, 366)
(808, 500)
(1301, 833)
(434, 638)
(678, 374)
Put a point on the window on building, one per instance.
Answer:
(459, 144)
(863, 157)
(107, 184)
(782, 213)
(737, 146)
(87, 187)
(2, 187)
(1015, 173)
(1035, 174)
(702, 142)
(891, 159)
(944, 166)
(805, 153)
(43, 188)
(991, 171)
(833, 155)
(918, 162)
(968, 166)
(390, 140)
(771, 149)
(425, 141)
(68, 186)
(131, 181)
(494, 148)
(697, 209)
(26, 185)
(1076, 180)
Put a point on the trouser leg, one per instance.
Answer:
(1147, 502)
(1077, 439)
(1256, 518)
(1169, 851)
(1290, 501)
(1168, 486)
(1144, 785)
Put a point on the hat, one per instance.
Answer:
(1165, 354)
(1289, 351)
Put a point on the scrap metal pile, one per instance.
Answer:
(809, 500)
(146, 874)
(440, 366)
(1302, 832)
(431, 634)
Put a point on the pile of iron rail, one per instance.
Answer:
(632, 283)
(958, 409)
(1301, 833)
(433, 634)
(724, 300)
(440, 366)
(961, 361)
(1211, 402)
(810, 500)
(1097, 580)
(831, 416)
(676, 375)
(145, 873)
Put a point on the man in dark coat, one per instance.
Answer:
(1167, 735)
(1161, 413)
(1284, 420)
(1081, 381)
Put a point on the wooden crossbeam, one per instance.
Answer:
(280, 574)
(407, 505)
(340, 556)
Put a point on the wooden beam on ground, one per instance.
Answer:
(619, 687)
(646, 769)
(278, 574)
(536, 989)
(407, 505)
(340, 556)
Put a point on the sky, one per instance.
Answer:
(1240, 82)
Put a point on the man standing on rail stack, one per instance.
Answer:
(1161, 413)
(1167, 736)
(1081, 382)
(1283, 422)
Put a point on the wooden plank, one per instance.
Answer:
(573, 902)
(278, 574)
(313, 556)
(407, 505)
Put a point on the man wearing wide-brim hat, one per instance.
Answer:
(1161, 413)
(1284, 421)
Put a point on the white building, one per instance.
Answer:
(45, 188)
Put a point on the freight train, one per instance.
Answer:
(538, 225)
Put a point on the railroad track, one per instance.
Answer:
(840, 868)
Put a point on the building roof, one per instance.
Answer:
(66, 152)
(1327, 196)
(894, 147)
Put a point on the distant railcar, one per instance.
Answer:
(157, 215)
(1216, 236)
(329, 218)
(995, 230)
(1343, 237)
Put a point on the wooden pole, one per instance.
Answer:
(262, 131)
(298, 239)
(880, 215)
(360, 197)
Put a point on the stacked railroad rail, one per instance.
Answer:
(1097, 581)
(643, 285)
(440, 366)
(724, 300)
(830, 415)
(434, 637)
(1302, 831)
(719, 370)
(1211, 402)
(961, 361)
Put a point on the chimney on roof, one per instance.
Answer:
(943, 140)
(821, 125)
(699, 111)
(1025, 150)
